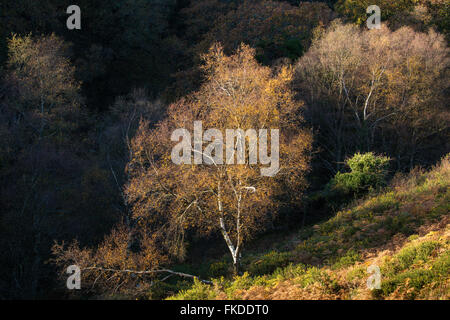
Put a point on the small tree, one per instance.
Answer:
(41, 108)
(45, 80)
(368, 171)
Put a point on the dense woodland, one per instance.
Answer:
(86, 119)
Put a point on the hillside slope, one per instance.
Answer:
(405, 231)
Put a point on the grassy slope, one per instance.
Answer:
(405, 231)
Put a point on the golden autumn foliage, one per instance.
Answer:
(233, 199)
(376, 90)
(45, 78)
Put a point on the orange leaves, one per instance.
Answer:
(238, 94)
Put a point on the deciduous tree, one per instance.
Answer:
(376, 90)
(234, 200)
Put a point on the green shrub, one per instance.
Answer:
(290, 271)
(347, 260)
(198, 291)
(368, 172)
(416, 279)
(358, 272)
(413, 267)
(219, 268)
(269, 262)
(411, 255)
(402, 223)
(239, 283)
(312, 275)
